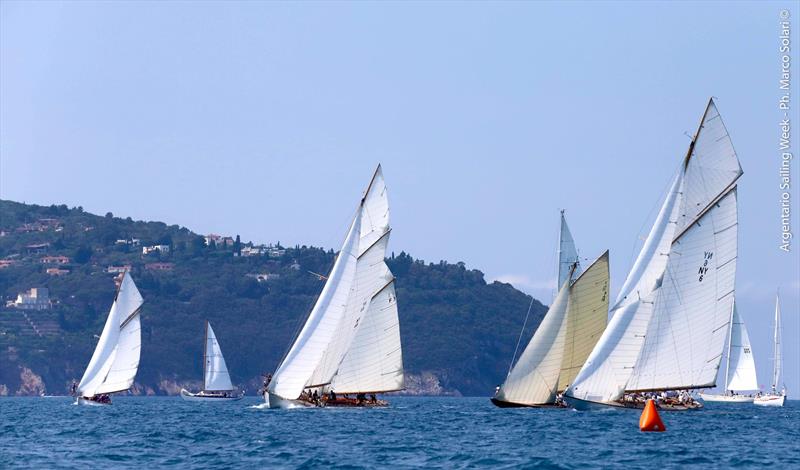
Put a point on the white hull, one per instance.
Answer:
(770, 400)
(200, 397)
(274, 401)
(85, 402)
(708, 397)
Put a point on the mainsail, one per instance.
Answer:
(215, 372)
(116, 357)
(670, 320)
(741, 370)
(351, 340)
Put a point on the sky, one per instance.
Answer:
(266, 119)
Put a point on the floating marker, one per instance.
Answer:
(650, 421)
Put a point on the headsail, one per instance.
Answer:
(116, 357)
(215, 371)
(534, 378)
(741, 371)
(359, 345)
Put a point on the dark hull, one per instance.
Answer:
(507, 404)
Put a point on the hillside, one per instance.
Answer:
(458, 332)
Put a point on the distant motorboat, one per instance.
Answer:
(217, 386)
(115, 360)
(775, 397)
(740, 368)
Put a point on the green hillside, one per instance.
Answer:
(458, 332)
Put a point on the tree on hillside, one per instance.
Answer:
(82, 254)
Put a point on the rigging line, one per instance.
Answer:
(519, 340)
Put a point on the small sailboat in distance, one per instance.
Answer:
(775, 398)
(564, 338)
(115, 360)
(740, 368)
(348, 350)
(217, 386)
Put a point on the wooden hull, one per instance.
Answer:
(770, 400)
(709, 397)
(275, 401)
(208, 397)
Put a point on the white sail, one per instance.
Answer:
(685, 339)
(741, 373)
(215, 371)
(609, 366)
(116, 357)
(777, 365)
(587, 314)
(374, 362)
(567, 253)
(343, 354)
(534, 378)
(322, 324)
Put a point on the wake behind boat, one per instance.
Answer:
(115, 360)
(217, 386)
(670, 321)
(349, 345)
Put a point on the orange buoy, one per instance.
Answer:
(650, 421)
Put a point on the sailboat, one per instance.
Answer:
(217, 386)
(350, 342)
(116, 357)
(775, 398)
(566, 335)
(670, 321)
(740, 368)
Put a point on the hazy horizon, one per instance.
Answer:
(267, 119)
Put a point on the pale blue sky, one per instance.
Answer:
(267, 119)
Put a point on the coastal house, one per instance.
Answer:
(263, 277)
(146, 250)
(118, 269)
(159, 266)
(7, 263)
(57, 271)
(54, 260)
(37, 298)
(37, 248)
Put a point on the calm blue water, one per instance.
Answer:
(414, 432)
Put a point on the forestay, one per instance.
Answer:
(215, 371)
(115, 360)
(741, 373)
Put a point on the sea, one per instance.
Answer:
(414, 432)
